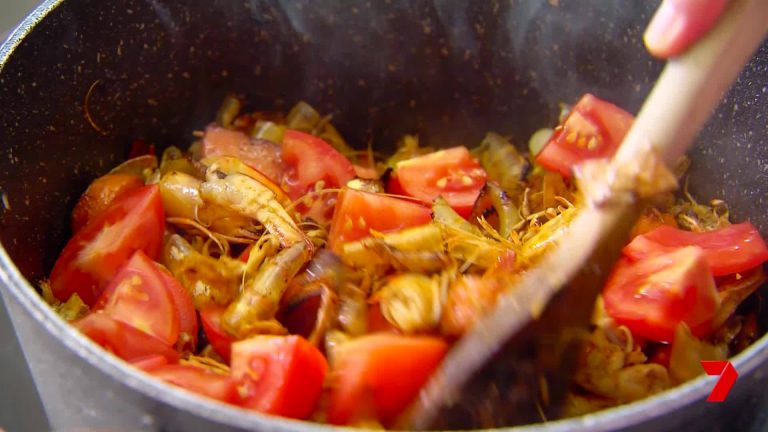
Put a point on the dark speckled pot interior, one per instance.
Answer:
(448, 70)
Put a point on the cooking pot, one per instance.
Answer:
(80, 79)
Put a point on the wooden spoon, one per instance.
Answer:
(516, 364)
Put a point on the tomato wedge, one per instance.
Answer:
(122, 340)
(221, 342)
(594, 129)
(198, 380)
(651, 297)
(380, 374)
(309, 159)
(138, 297)
(100, 194)
(262, 155)
(281, 375)
(185, 308)
(150, 363)
(735, 248)
(92, 257)
(451, 173)
(358, 212)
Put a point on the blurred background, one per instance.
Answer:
(11, 12)
(20, 408)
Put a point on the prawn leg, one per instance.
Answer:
(253, 311)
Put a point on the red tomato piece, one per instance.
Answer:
(451, 173)
(261, 155)
(358, 212)
(124, 341)
(150, 363)
(92, 257)
(139, 147)
(366, 172)
(381, 369)
(661, 355)
(651, 297)
(138, 296)
(100, 194)
(735, 248)
(198, 380)
(220, 340)
(246, 254)
(282, 375)
(594, 129)
(394, 187)
(309, 159)
(185, 308)
(377, 322)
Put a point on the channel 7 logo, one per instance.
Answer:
(727, 373)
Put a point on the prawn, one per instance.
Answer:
(248, 197)
(254, 309)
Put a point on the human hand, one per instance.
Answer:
(677, 24)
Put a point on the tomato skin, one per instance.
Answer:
(661, 355)
(381, 369)
(651, 297)
(366, 172)
(469, 298)
(735, 248)
(139, 147)
(451, 173)
(198, 380)
(594, 129)
(99, 195)
(394, 187)
(185, 309)
(121, 339)
(377, 212)
(221, 341)
(261, 155)
(150, 363)
(377, 322)
(138, 296)
(309, 159)
(282, 375)
(91, 258)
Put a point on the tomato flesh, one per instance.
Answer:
(99, 195)
(261, 155)
(91, 258)
(198, 380)
(651, 297)
(380, 374)
(138, 296)
(150, 363)
(358, 213)
(282, 375)
(594, 129)
(735, 248)
(220, 341)
(124, 341)
(451, 173)
(309, 159)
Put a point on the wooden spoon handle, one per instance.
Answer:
(690, 87)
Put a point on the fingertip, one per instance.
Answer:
(665, 35)
(677, 24)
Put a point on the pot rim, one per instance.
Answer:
(22, 292)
